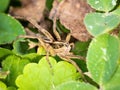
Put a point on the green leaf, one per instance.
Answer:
(61, 28)
(102, 57)
(80, 48)
(9, 29)
(2, 86)
(68, 70)
(33, 57)
(44, 75)
(117, 11)
(21, 47)
(49, 4)
(37, 76)
(99, 23)
(14, 65)
(103, 5)
(41, 51)
(4, 53)
(114, 82)
(4, 4)
(74, 85)
(11, 88)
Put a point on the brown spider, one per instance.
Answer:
(53, 47)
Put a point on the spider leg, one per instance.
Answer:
(72, 45)
(54, 29)
(47, 58)
(56, 14)
(75, 65)
(27, 36)
(47, 47)
(68, 37)
(40, 29)
(71, 55)
(36, 35)
(41, 41)
(50, 51)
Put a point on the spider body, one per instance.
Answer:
(53, 47)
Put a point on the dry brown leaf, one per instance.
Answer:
(30, 8)
(71, 14)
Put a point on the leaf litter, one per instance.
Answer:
(70, 13)
(30, 8)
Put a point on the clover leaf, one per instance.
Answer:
(103, 5)
(2, 86)
(10, 29)
(103, 57)
(44, 75)
(14, 65)
(74, 85)
(100, 23)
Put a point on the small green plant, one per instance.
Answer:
(105, 19)
(23, 68)
(4, 5)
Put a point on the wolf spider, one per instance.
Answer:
(53, 47)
